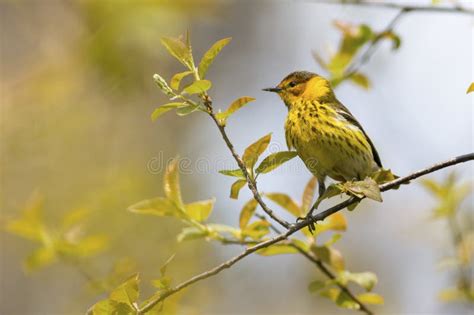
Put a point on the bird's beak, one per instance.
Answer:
(274, 90)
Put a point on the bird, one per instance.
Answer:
(324, 133)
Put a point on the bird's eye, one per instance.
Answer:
(292, 84)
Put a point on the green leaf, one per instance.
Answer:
(200, 210)
(367, 280)
(247, 212)
(164, 109)
(40, 258)
(198, 87)
(275, 160)
(236, 187)
(366, 188)
(335, 222)
(171, 183)
(209, 56)
(330, 256)
(235, 106)
(191, 233)
(257, 229)
(308, 195)
(30, 223)
(316, 286)
(91, 245)
(286, 202)
(127, 292)
(107, 307)
(277, 249)
(221, 228)
(361, 80)
(470, 88)
(332, 191)
(370, 298)
(178, 49)
(187, 109)
(161, 283)
(345, 301)
(176, 79)
(383, 176)
(254, 150)
(234, 173)
(74, 217)
(157, 206)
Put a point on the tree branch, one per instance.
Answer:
(365, 57)
(398, 6)
(250, 182)
(301, 224)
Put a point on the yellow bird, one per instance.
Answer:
(326, 136)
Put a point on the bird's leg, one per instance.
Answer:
(321, 191)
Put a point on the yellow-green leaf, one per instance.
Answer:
(367, 280)
(257, 229)
(277, 249)
(451, 295)
(330, 256)
(191, 233)
(361, 80)
(247, 212)
(370, 298)
(235, 106)
(209, 56)
(178, 49)
(127, 292)
(345, 301)
(366, 188)
(40, 258)
(200, 210)
(91, 245)
(234, 173)
(470, 88)
(286, 202)
(384, 176)
(308, 195)
(275, 160)
(157, 206)
(197, 87)
(176, 79)
(335, 222)
(164, 109)
(171, 182)
(187, 109)
(107, 307)
(316, 286)
(254, 150)
(236, 187)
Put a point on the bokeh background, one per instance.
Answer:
(76, 98)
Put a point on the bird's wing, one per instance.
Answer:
(344, 112)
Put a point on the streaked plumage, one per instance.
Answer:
(327, 137)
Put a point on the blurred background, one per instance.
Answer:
(76, 98)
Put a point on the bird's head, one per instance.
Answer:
(302, 85)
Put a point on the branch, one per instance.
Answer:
(323, 268)
(298, 226)
(365, 57)
(250, 182)
(398, 6)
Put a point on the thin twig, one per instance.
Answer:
(298, 226)
(365, 57)
(250, 182)
(398, 6)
